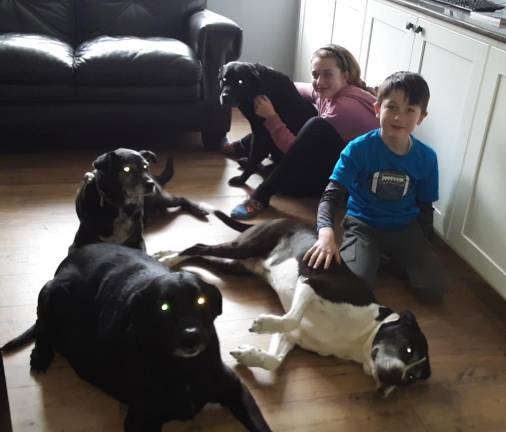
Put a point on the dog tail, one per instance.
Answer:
(20, 341)
(167, 173)
(232, 223)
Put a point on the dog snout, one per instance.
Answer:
(149, 185)
(392, 376)
(191, 337)
(226, 97)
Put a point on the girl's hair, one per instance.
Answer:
(344, 61)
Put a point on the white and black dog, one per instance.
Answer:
(116, 197)
(330, 312)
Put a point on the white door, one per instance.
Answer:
(387, 42)
(315, 30)
(478, 230)
(349, 24)
(453, 65)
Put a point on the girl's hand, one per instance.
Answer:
(263, 107)
(324, 250)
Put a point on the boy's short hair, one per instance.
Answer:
(412, 84)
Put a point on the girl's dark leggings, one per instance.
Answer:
(305, 169)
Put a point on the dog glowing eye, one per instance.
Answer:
(127, 168)
(165, 307)
(145, 166)
(223, 79)
(201, 300)
(409, 350)
(240, 81)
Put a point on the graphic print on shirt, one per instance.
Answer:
(389, 185)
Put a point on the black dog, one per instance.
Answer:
(330, 312)
(139, 332)
(240, 82)
(114, 199)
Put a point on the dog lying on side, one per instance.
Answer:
(141, 333)
(115, 198)
(240, 82)
(330, 312)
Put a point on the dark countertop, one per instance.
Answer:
(455, 16)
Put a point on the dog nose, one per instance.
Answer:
(225, 98)
(191, 337)
(390, 376)
(149, 185)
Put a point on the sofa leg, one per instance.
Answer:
(214, 140)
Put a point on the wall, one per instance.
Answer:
(269, 29)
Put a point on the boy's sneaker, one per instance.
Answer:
(234, 150)
(247, 209)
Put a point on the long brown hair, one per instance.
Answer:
(345, 62)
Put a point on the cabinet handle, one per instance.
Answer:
(409, 25)
(418, 29)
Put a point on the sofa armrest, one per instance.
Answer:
(216, 40)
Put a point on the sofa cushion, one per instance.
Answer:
(49, 17)
(132, 61)
(144, 18)
(35, 59)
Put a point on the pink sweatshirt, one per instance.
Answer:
(351, 112)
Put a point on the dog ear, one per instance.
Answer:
(149, 155)
(103, 162)
(214, 295)
(408, 318)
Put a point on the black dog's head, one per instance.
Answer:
(239, 81)
(122, 175)
(175, 314)
(399, 354)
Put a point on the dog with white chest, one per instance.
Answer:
(330, 312)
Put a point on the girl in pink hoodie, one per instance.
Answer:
(345, 111)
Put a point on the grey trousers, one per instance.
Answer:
(407, 248)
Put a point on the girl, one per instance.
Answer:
(345, 111)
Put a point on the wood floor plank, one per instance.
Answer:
(309, 393)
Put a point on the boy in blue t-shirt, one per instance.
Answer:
(392, 181)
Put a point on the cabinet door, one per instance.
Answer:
(387, 43)
(453, 65)
(315, 30)
(349, 25)
(478, 230)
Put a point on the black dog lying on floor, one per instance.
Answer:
(240, 82)
(139, 332)
(331, 312)
(114, 199)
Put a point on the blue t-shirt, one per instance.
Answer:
(384, 187)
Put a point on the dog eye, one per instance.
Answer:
(165, 307)
(223, 79)
(127, 168)
(411, 378)
(201, 300)
(409, 350)
(240, 81)
(145, 166)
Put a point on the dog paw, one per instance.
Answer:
(251, 356)
(199, 212)
(163, 254)
(40, 359)
(236, 181)
(267, 324)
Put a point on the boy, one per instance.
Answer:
(392, 180)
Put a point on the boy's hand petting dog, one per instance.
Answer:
(324, 250)
(263, 106)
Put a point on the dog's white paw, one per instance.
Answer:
(251, 356)
(169, 258)
(267, 324)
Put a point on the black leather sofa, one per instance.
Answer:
(116, 67)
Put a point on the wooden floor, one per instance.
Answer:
(467, 391)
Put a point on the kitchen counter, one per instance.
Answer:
(455, 16)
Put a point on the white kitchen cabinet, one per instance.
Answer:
(387, 43)
(478, 231)
(452, 63)
(348, 25)
(315, 30)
